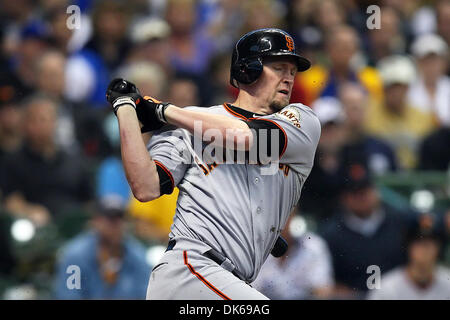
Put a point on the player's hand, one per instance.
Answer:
(150, 113)
(121, 92)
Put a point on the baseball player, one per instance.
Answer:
(230, 210)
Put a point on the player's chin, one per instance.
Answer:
(280, 103)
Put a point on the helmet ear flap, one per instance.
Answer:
(246, 71)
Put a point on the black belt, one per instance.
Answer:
(212, 254)
(215, 256)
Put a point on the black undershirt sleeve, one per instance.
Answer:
(166, 184)
(262, 131)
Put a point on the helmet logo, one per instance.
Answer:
(289, 43)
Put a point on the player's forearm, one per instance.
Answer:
(222, 130)
(139, 168)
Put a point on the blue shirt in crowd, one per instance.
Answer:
(131, 282)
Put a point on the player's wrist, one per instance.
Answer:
(169, 112)
(123, 101)
(160, 112)
(125, 108)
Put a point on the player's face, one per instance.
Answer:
(277, 81)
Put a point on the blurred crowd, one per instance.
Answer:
(379, 83)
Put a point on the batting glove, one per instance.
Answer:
(150, 113)
(121, 92)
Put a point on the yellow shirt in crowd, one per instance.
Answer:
(404, 132)
(159, 212)
(315, 79)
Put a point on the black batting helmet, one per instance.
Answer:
(246, 62)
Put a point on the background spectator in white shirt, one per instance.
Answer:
(422, 278)
(304, 272)
(430, 92)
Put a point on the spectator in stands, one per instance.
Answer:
(10, 125)
(388, 39)
(422, 20)
(260, 14)
(111, 263)
(32, 44)
(109, 41)
(68, 30)
(422, 278)
(321, 190)
(191, 49)
(327, 15)
(430, 91)
(221, 89)
(359, 145)
(303, 272)
(89, 70)
(151, 43)
(183, 92)
(17, 13)
(363, 232)
(394, 119)
(310, 20)
(299, 17)
(225, 24)
(50, 82)
(10, 119)
(41, 180)
(434, 153)
(405, 13)
(442, 19)
(59, 34)
(342, 47)
(77, 125)
(49, 68)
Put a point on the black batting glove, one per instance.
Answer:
(121, 92)
(150, 113)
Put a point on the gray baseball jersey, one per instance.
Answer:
(238, 209)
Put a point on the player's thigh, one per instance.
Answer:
(243, 291)
(208, 280)
(190, 276)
